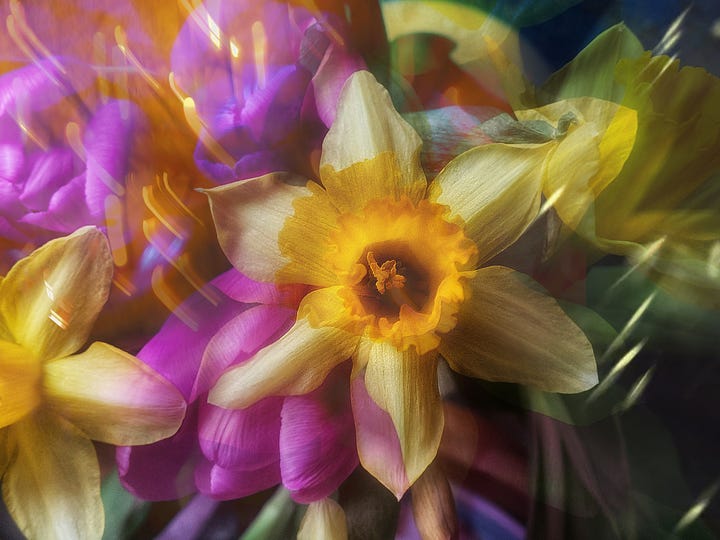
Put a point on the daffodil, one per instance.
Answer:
(397, 268)
(54, 399)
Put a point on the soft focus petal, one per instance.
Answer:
(66, 210)
(509, 331)
(220, 483)
(238, 340)
(323, 520)
(589, 157)
(495, 189)
(243, 289)
(113, 397)
(317, 439)
(405, 385)
(245, 439)
(107, 140)
(433, 504)
(377, 441)
(20, 373)
(249, 216)
(50, 171)
(52, 483)
(367, 127)
(297, 363)
(50, 299)
(163, 470)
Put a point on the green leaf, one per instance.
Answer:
(123, 512)
(277, 519)
(592, 71)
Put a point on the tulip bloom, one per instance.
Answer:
(263, 78)
(305, 442)
(398, 277)
(53, 400)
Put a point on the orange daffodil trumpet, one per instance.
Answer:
(53, 400)
(398, 276)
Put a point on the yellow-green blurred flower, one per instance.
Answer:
(397, 267)
(53, 400)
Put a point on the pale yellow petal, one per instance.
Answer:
(52, 483)
(370, 151)
(405, 385)
(589, 157)
(495, 189)
(323, 520)
(50, 299)
(20, 373)
(510, 331)
(113, 397)
(297, 363)
(433, 504)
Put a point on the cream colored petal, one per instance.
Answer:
(295, 364)
(370, 151)
(433, 504)
(323, 520)
(113, 397)
(52, 483)
(20, 373)
(495, 189)
(589, 157)
(50, 299)
(405, 385)
(272, 230)
(510, 331)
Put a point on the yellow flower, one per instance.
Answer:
(52, 401)
(397, 270)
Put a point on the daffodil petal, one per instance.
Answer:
(589, 157)
(370, 151)
(377, 441)
(295, 364)
(20, 373)
(323, 520)
(495, 189)
(50, 299)
(404, 384)
(509, 331)
(52, 484)
(113, 397)
(249, 216)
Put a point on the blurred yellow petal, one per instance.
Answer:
(433, 504)
(20, 373)
(509, 331)
(113, 397)
(50, 299)
(495, 189)
(370, 151)
(323, 520)
(297, 363)
(589, 157)
(405, 385)
(52, 483)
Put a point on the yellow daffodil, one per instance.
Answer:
(398, 276)
(53, 400)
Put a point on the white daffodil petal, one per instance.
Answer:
(113, 397)
(370, 151)
(509, 331)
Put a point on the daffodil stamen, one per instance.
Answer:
(386, 276)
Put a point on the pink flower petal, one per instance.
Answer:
(219, 483)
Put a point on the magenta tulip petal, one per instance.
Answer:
(377, 441)
(219, 483)
(67, 210)
(12, 162)
(239, 339)
(176, 349)
(241, 288)
(163, 470)
(243, 439)
(107, 140)
(50, 172)
(317, 439)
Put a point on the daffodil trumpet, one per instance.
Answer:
(398, 277)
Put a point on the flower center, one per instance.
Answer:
(401, 267)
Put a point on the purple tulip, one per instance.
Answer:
(305, 442)
(265, 77)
